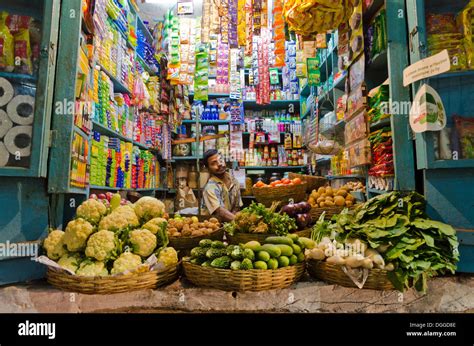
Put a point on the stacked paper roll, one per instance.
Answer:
(21, 109)
(18, 141)
(5, 123)
(6, 91)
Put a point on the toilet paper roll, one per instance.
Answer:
(21, 109)
(5, 123)
(11, 140)
(6, 91)
(4, 155)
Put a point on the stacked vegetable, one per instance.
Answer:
(329, 197)
(396, 226)
(191, 227)
(256, 218)
(276, 252)
(300, 212)
(110, 238)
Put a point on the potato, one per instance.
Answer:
(186, 228)
(179, 224)
(187, 232)
(324, 195)
(349, 203)
(349, 197)
(329, 190)
(213, 220)
(341, 192)
(322, 204)
(311, 200)
(172, 230)
(214, 226)
(320, 199)
(177, 235)
(339, 201)
(197, 233)
(329, 203)
(321, 190)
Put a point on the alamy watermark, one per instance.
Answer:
(25, 249)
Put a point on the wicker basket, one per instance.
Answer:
(186, 243)
(111, 284)
(313, 182)
(282, 194)
(330, 211)
(243, 280)
(242, 238)
(332, 273)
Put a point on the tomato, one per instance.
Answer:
(279, 185)
(285, 181)
(290, 184)
(260, 184)
(296, 181)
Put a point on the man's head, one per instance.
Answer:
(214, 162)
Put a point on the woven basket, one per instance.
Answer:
(186, 243)
(282, 194)
(111, 284)
(313, 182)
(242, 238)
(243, 280)
(332, 273)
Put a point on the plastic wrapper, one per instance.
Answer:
(22, 51)
(6, 47)
(356, 128)
(465, 133)
(359, 153)
(356, 101)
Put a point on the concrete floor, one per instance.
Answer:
(448, 294)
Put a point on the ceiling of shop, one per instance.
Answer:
(154, 10)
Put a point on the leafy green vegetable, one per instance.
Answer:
(418, 247)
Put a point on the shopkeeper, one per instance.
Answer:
(221, 195)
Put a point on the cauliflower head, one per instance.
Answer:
(91, 210)
(121, 218)
(155, 225)
(54, 244)
(70, 261)
(126, 261)
(92, 268)
(76, 234)
(143, 242)
(102, 245)
(148, 208)
(168, 256)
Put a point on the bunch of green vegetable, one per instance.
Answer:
(256, 218)
(276, 252)
(395, 224)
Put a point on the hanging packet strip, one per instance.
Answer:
(7, 62)
(241, 23)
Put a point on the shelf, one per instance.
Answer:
(206, 122)
(248, 133)
(306, 90)
(377, 191)
(340, 83)
(280, 71)
(77, 190)
(108, 188)
(272, 167)
(145, 65)
(247, 197)
(20, 76)
(81, 131)
(350, 176)
(462, 163)
(118, 86)
(180, 158)
(274, 104)
(380, 124)
(144, 30)
(308, 111)
(466, 73)
(213, 95)
(140, 145)
(379, 61)
(372, 10)
(201, 139)
(109, 132)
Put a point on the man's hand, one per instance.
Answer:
(223, 214)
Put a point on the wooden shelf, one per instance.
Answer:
(350, 176)
(272, 167)
(181, 158)
(109, 188)
(206, 122)
(201, 139)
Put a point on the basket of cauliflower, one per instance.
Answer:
(111, 248)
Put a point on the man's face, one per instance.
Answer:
(216, 165)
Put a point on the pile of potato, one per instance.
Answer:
(191, 227)
(329, 197)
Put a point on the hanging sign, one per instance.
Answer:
(185, 7)
(427, 112)
(426, 68)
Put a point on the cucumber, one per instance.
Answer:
(283, 261)
(296, 249)
(293, 237)
(286, 250)
(293, 260)
(252, 245)
(273, 250)
(307, 243)
(260, 265)
(300, 257)
(272, 263)
(279, 240)
(263, 256)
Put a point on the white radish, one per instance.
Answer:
(367, 263)
(316, 254)
(338, 260)
(389, 267)
(355, 261)
(375, 257)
